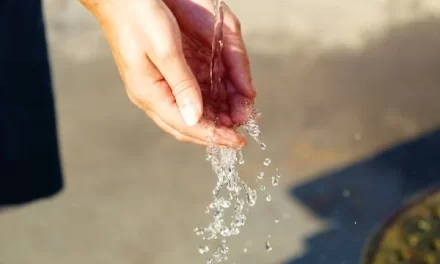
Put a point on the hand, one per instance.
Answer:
(163, 51)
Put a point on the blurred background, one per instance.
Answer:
(349, 90)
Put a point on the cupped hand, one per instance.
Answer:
(163, 50)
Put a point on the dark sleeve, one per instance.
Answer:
(29, 159)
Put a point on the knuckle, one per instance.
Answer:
(182, 86)
(138, 98)
(141, 96)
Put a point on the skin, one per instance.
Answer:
(162, 49)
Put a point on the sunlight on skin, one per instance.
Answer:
(163, 53)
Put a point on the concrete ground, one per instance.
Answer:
(340, 83)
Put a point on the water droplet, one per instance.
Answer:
(215, 192)
(267, 162)
(262, 188)
(217, 215)
(245, 250)
(346, 193)
(275, 181)
(263, 146)
(235, 231)
(268, 246)
(216, 119)
(268, 198)
(203, 249)
(277, 221)
(260, 175)
(251, 197)
(239, 220)
(224, 203)
(240, 157)
(199, 231)
(225, 231)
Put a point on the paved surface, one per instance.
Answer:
(340, 83)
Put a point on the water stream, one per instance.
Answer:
(232, 197)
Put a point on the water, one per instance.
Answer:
(203, 249)
(231, 195)
(217, 46)
(267, 162)
(268, 198)
(276, 179)
(268, 246)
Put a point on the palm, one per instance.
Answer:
(215, 102)
(224, 104)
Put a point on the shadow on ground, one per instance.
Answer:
(357, 198)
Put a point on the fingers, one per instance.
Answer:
(205, 130)
(166, 115)
(166, 53)
(193, 14)
(200, 23)
(235, 56)
(240, 106)
(168, 129)
(154, 96)
(183, 85)
(190, 139)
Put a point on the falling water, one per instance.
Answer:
(231, 193)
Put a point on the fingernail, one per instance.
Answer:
(189, 113)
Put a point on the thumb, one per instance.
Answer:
(184, 87)
(166, 53)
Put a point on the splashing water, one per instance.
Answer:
(268, 198)
(217, 46)
(268, 246)
(231, 193)
(203, 249)
(276, 179)
(267, 162)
